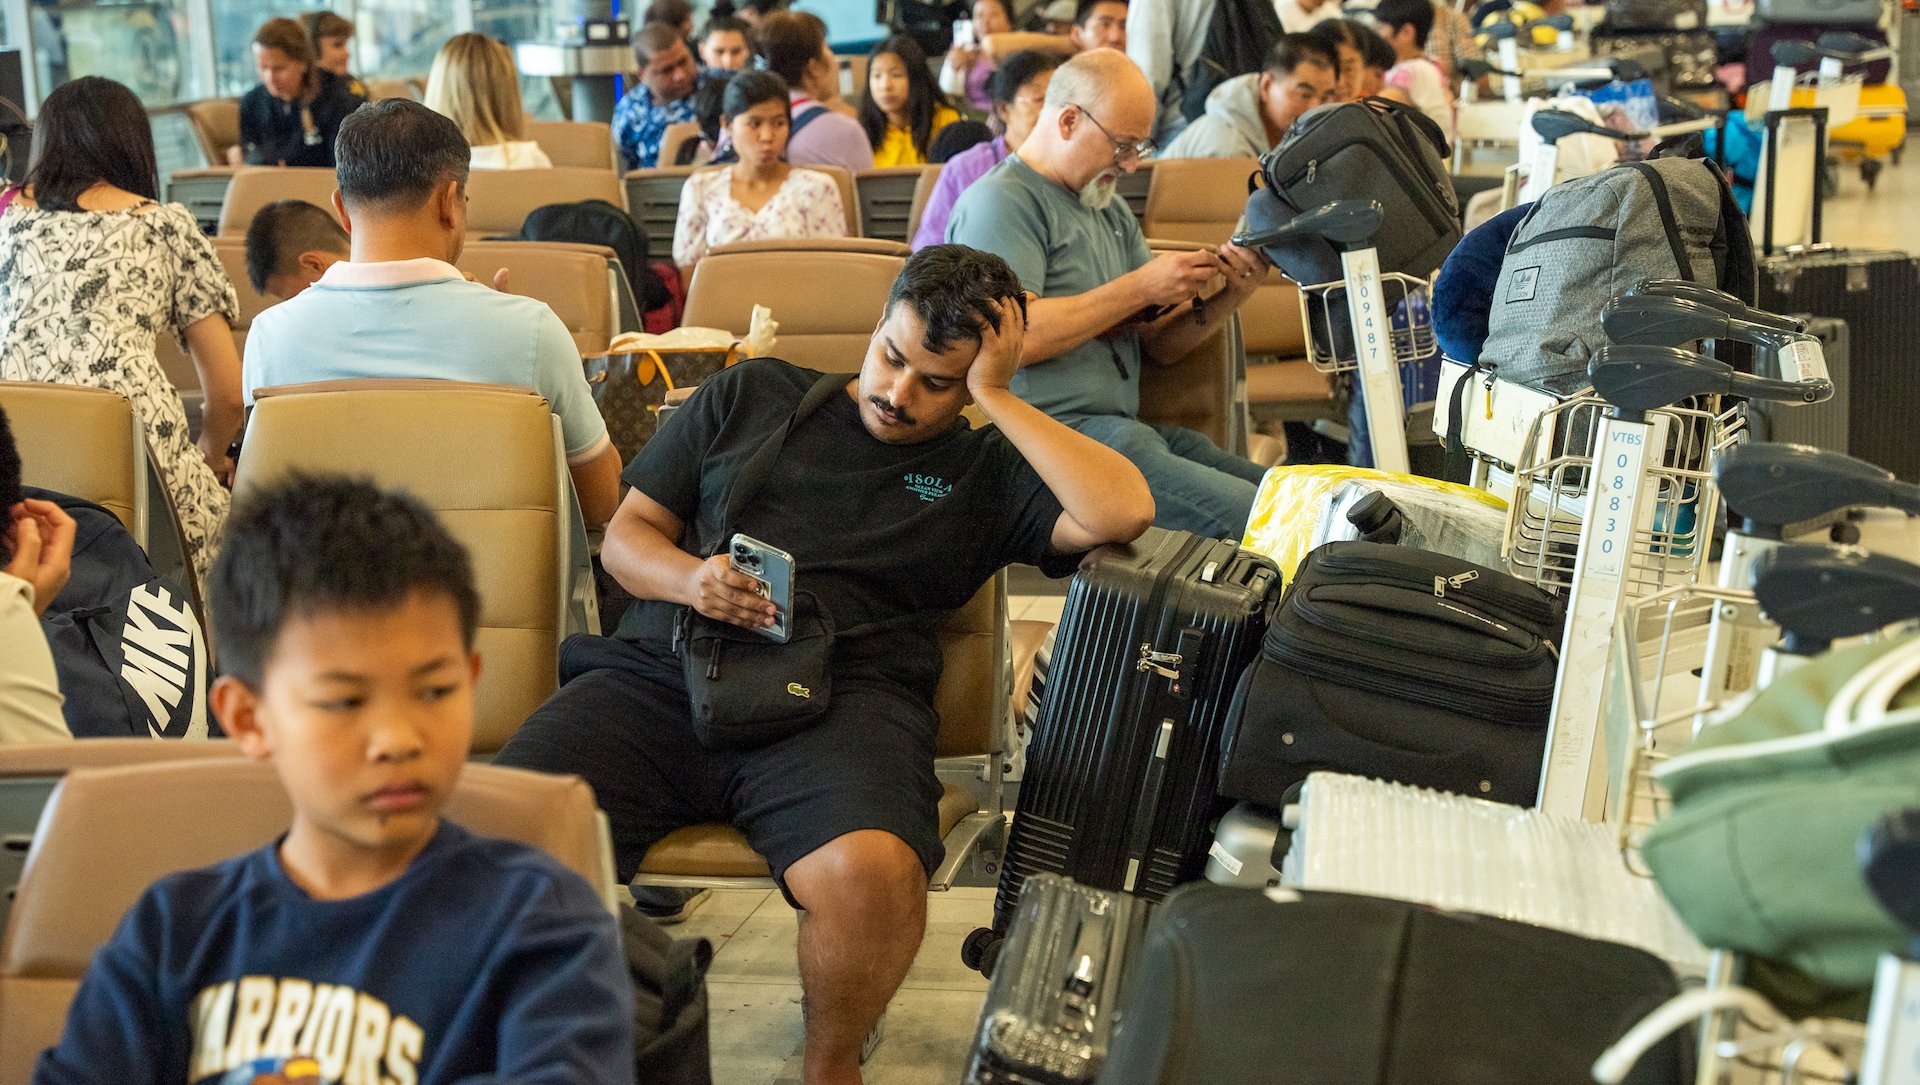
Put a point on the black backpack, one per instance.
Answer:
(597, 222)
(130, 656)
(1240, 34)
(669, 1002)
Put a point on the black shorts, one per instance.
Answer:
(623, 726)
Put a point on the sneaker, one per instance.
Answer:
(666, 905)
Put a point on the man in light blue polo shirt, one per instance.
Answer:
(1106, 305)
(399, 308)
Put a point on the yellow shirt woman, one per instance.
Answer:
(897, 148)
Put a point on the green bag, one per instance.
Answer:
(1759, 853)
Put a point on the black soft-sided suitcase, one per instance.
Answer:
(1050, 1011)
(1237, 987)
(1877, 293)
(1399, 664)
(1121, 767)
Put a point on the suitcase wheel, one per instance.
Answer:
(981, 950)
(1870, 171)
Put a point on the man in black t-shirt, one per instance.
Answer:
(891, 506)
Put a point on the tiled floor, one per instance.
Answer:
(754, 989)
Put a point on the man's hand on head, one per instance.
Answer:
(725, 595)
(999, 358)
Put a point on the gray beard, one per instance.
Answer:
(1098, 194)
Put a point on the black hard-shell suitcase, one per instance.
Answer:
(1877, 293)
(1273, 987)
(1050, 1011)
(1822, 425)
(1121, 766)
(1399, 664)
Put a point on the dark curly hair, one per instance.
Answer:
(955, 291)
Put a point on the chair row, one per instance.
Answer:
(216, 127)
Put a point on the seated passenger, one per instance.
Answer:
(474, 84)
(1019, 88)
(969, 68)
(1415, 78)
(292, 117)
(1090, 24)
(290, 244)
(794, 46)
(399, 308)
(98, 268)
(1247, 115)
(36, 555)
(374, 941)
(661, 96)
(329, 34)
(845, 810)
(1106, 304)
(759, 196)
(726, 45)
(902, 110)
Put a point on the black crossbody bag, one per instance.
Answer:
(745, 689)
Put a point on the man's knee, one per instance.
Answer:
(1135, 440)
(865, 870)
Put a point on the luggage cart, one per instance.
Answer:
(1383, 316)
(1553, 125)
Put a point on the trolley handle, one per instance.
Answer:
(1850, 48)
(1770, 486)
(1665, 321)
(1552, 125)
(1890, 857)
(1819, 594)
(1637, 379)
(1714, 299)
(1347, 223)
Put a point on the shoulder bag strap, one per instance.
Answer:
(754, 472)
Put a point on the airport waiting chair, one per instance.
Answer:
(571, 279)
(582, 144)
(874, 246)
(108, 833)
(971, 701)
(216, 126)
(179, 368)
(500, 200)
(653, 199)
(677, 136)
(379, 90)
(486, 458)
(28, 775)
(826, 302)
(1206, 390)
(887, 199)
(1196, 199)
(203, 191)
(1134, 187)
(90, 443)
(922, 192)
(254, 187)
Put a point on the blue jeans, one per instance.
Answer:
(1196, 487)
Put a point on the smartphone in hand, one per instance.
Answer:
(772, 569)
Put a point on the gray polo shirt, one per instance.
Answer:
(1058, 249)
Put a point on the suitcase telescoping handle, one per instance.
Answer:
(1172, 709)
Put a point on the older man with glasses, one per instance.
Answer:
(1104, 303)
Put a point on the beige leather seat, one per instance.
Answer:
(1133, 187)
(499, 200)
(827, 303)
(873, 245)
(89, 443)
(381, 89)
(254, 187)
(584, 144)
(971, 702)
(653, 199)
(571, 279)
(109, 833)
(1196, 199)
(887, 199)
(216, 125)
(922, 192)
(676, 136)
(1206, 389)
(487, 459)
(28, 775)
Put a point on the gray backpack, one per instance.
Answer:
(1586, 241)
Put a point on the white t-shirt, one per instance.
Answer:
(1420, 78)
(516, 155)
(30, 697)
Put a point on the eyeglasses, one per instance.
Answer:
(1123, 149)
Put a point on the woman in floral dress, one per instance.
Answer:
(93, 268)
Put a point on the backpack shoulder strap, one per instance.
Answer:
(1663, 200)
(806, 117)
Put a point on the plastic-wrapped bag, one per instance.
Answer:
(1299, 508)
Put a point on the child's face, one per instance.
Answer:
(726, 50)
(887, 82)
(367, 716)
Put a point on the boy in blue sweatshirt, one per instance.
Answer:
(374, 943)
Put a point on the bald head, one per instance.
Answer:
(1097, 104)
(1099, 79)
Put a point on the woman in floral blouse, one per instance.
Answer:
(761, 196)
(93, 267)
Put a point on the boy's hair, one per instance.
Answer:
(955, 291)
(324, 542)
(394, 154)
(728, 24)
(282, 231)
(1375, 51)
(1291, 50)
(1085, 11)
(1394, 14)
(709, 101)
(11, 477)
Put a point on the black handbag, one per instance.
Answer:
(745, 689)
